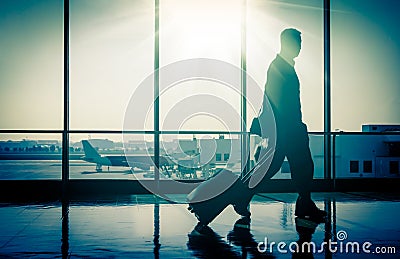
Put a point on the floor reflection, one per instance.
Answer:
(156, 234)
(145, 226)
(240, 243)
(208, 244)
(65, 229)
(305, 230)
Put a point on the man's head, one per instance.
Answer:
(290, 43)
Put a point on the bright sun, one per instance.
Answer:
(207, 29)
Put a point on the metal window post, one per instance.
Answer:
(65, 133)
(327, 92)
(243, 65)
(156, 91)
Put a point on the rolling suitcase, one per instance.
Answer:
(212, 196)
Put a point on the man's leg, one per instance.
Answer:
(302, 170)
(300, 161)
(242, 205)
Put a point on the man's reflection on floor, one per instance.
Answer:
(305, 229)
(243, 238)
(205, 243)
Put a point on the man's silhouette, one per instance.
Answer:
(283, 91)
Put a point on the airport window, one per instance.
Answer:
(110, 39)
(200, 161)
(357, 29)
(367, 166)
(354, 166)
(111, 53)
(265, 22)
(266, 19)
(31, 65)
(394, 167)
(183, 24)
(112, 156)
(30, 156)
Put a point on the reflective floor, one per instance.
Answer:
(361, 225)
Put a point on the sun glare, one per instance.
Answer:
(200, 29)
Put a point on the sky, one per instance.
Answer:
(31, 64)
(112, 53)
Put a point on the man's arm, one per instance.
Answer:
(274, 87)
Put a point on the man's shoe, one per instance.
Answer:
(243, 209)
(242, 223)
(202, 230)
(306, 209)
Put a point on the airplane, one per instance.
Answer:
(143, 162)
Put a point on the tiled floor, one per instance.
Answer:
(144, 226)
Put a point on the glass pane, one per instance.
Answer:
(368, 156)
(265, 21)
(317, 154)
(200, 105)
(111, 156)
(111, 54)
(200, 156)
(31, 64)
(200, 29)
(30, 156)
(202, 94)
(365, 59)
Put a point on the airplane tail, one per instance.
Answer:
(89, 150)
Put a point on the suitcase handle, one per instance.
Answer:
(263, 160)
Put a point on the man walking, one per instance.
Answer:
(283, 91)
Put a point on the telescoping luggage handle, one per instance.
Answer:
(264, 159)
